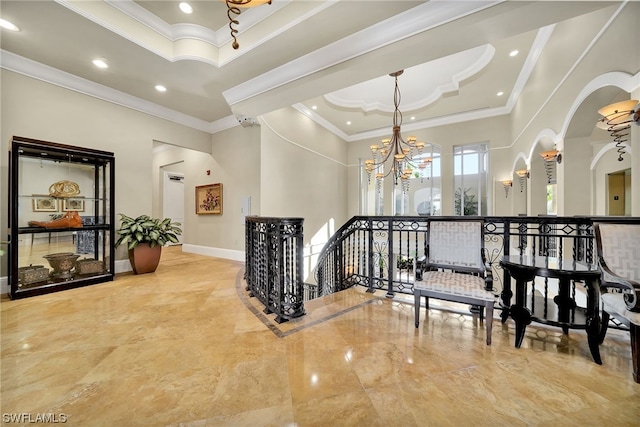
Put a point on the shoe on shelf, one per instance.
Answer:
(70, 219)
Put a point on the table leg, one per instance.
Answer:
(593, 320)
(506, 296)
(416, 303)
(506, 301)
(519, 312)
(565, 304)
(593, 337)
(522, 318)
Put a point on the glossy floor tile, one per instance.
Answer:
(186, 346)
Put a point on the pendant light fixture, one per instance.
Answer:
(396, 157)
(233, 8)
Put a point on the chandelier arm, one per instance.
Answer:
(401, 152)
(383, 161)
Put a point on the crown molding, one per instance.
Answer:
(217, 42)
(321, 121)
(481, 113)
(542, 37)
(414, 21)
(475, 60)
(36, 70)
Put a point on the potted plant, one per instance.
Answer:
(145, 237)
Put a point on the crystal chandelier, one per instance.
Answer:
(233, 7)
(396, 157)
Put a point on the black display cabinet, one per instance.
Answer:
(61, 220)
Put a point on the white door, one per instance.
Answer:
(173, 199)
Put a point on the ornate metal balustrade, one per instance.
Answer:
(274, 264)
(380, 252)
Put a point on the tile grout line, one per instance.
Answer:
(269, 323)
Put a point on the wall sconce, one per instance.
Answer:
(523, 174)
(507, 185)
(616, 119)
(550, 158)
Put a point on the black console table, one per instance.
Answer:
(562, 311)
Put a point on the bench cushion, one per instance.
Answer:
(455, 284)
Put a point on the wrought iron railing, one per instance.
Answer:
(380, 252)
(274, 264)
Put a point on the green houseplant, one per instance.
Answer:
(145, 237)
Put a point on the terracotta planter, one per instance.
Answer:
(144, 258)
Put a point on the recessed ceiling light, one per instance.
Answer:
(8, 25)
(514, 53)
(100, 63)
(314, 107)
(185, 7)
(161, 88)
(349, 122)
(413, 117)
(500, 93)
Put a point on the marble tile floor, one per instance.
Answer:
(185, 346)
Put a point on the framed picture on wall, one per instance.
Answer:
(44, 203)
(75, 204)
(209, 199)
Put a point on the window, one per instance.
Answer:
(423, 197)
(470, 168)
(552, 198)
(371, 192)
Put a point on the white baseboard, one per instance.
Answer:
(214, 252)
(123, 265)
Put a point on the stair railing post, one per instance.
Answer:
(390, 293)
(370, 255)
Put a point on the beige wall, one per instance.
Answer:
(295, 180)
(303, 174)
(574, 188)
(290, 166)
(235, 163)
(548, 97)
(34, 109)
(555, 84)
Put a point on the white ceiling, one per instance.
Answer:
(331, 54)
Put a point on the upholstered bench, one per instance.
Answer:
(454, 268)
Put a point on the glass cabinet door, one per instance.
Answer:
(61, 217)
